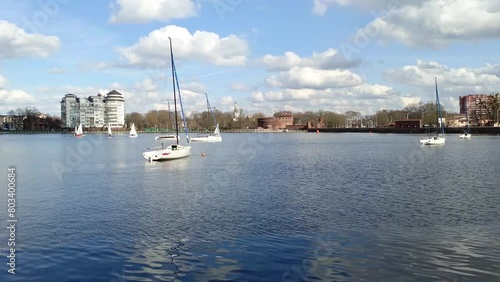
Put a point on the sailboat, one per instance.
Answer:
(436, 140)
(110, 134)
(467, 134)
(214, 137)
(133, 132)
(174, 151)
(79, 131)
(167, 136)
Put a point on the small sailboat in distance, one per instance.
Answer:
(133, 132)
(467, 134)
(213, 137)
(110, 134)
(79, 131)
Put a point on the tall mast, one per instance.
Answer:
(210, 110)
(439, 108)
(173, 84)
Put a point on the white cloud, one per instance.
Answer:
(153, 49)
(329, 59)
(139, 11)
(3, 82)
(435, 23)
(240, 87)
(10, 99)
(306, 77)
(320, 7)
(15, 42)
(227, 100)
(423, 73)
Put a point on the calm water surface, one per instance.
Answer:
(258, 207)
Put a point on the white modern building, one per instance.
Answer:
(94, 111)
(114, 109)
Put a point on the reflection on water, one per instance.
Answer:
(280, 207)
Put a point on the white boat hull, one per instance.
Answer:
(207, 139)
(436, 140)
(165, 137)
(132, 136)
(171, 152)
(465, 136)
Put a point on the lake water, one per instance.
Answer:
(257, 207)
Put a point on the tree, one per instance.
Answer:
(137, 119)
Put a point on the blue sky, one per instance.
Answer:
(267, 56)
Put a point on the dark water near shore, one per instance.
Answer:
(258, 207)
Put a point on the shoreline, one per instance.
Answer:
(449, 130)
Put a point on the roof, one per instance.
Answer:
(114, 96)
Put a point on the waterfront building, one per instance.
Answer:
(115, 109)
(474, 104)
(275, 123)
(93, 111)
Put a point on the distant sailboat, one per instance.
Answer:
(110, 134)
(79, 131)
(436, 140)
(133, 132)
(167, 136)
(214, 137)
(467, 134)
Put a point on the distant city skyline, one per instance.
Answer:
(337, 55)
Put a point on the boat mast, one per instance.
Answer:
(173, 84)
(439, 108)
(210, 110)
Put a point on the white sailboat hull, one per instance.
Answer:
(165, 137)
(171, 152)
(207, 139)
(465, 136)
(436, 140)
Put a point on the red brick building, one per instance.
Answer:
(472, 104)
(275, 123)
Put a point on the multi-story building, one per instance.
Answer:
(94, 111)
(115, 109)
(70, 114)
(474, 104)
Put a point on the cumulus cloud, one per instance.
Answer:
(365, 98)
(153, 49)
(12, 98)
(320, 7)
(423, 73)
(139, 11)
(15, 42)
(240, 87)
(329, 59)
(3, 82)
(434, 24)
(307, 77)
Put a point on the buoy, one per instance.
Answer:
(203, 154)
